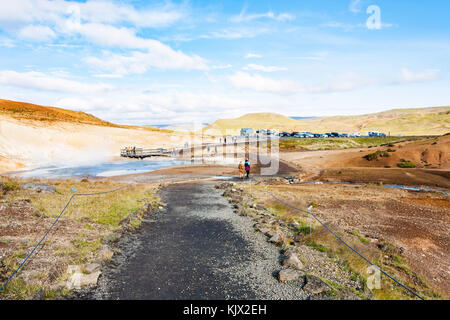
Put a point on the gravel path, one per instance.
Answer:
(196, 248)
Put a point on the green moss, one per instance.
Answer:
(406, 164)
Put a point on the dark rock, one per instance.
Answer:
(314, 285)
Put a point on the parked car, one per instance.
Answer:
(294, 133)
(343, 135)
(299, 135)
(285, 134)
(335, 134)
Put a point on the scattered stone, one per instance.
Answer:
(290, 275)
(265, 230)
(92, 267)
(276, 238)
(292, 261)
(79, 280)
(39, 187)
(105, 253)
(314, 285)
(38, 295)
(270, 233)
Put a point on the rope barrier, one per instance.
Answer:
(345, 243)
(54, 223)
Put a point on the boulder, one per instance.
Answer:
(92, 267)
(293, 261)
(315, 285)
(290, 275)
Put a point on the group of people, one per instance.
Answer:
(129, 150)
(244, 169)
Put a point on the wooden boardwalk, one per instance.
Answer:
(141, 153)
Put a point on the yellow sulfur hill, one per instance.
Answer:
(418, 121)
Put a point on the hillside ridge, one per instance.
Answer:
(411, 121)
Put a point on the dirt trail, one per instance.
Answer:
(196, 248)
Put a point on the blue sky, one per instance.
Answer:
(152, 62)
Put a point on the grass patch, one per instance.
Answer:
(8, 186)
(334, 143)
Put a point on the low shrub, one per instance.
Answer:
(376, 155)
(406, 164)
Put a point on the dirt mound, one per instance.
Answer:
(430, 153)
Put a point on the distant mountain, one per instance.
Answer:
(302, 118)
(418, 121)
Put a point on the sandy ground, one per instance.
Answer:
(417, 222)
(33, 143)
(432, 157)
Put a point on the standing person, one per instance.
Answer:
(241, 170)
(247, 167)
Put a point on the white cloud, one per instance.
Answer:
(37, 33)
(355, 6)
(40, 81)
(244, 17)
(243, 80)
(258, 67)
(156, 54)
(253, 55)
(90, 21)
(410, 76)
(97, 11)
(6, 42)
(220, 67)
(138, 62)
(236, 33)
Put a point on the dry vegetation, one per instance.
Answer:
(379, 223)
(25, 215)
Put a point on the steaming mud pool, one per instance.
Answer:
(106, 169)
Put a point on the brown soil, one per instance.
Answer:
(431, 156)
(21, 228)
(416, 222)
